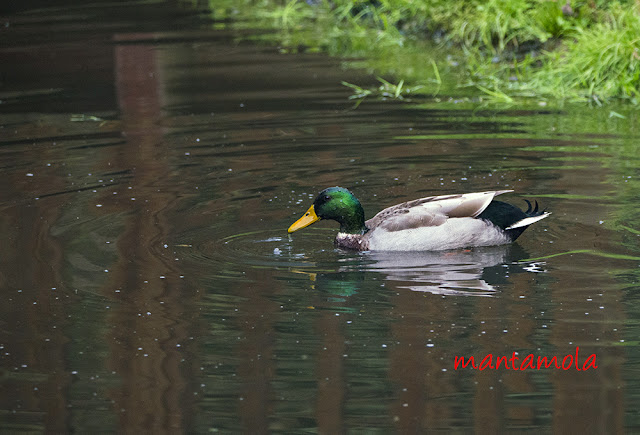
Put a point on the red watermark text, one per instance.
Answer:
(530, 361)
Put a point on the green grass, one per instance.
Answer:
(602, 61)
(499, 50)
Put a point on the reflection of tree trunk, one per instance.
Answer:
(415, 369)
(255, 353)
(147, 349)
(589, 401)
(592, 401)
(330, 374)
(31, 330)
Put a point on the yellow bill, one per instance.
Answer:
(307, 219)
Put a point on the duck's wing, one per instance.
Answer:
(432, 211)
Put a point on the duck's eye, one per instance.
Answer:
(327, 198)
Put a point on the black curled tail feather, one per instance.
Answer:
(504, 215)
(533, 211)
(529, 207)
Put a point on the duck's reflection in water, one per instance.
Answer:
(470, 272)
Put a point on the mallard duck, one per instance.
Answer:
(425, 224)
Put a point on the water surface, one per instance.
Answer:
(150, 169)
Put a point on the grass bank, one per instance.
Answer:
(498, 49)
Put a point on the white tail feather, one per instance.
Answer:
(528, 221)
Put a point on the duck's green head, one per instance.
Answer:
(338, 204)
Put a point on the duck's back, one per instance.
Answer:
(432, 211)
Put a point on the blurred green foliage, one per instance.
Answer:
(578, 50)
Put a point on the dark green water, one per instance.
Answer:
(149, 171)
